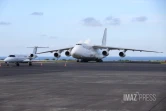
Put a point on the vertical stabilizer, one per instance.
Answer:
(104, 40)
(35, 50)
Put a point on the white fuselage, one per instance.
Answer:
(86, 51)
(18, 58)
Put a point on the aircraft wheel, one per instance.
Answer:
(7, 64)
(99, 60)
(84, 60)
(30, 63)
(17, 64)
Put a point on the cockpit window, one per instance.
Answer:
(78, 44)
(11, 55)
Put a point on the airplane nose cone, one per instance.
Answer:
(5, 60)
(74, 53)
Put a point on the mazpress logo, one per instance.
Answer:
(139, 97)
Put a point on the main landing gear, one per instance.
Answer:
(30, 63)
(99, 60)
(17, 64)
(82, 60)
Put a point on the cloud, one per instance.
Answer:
(140, 19)
(112, 21)
(37, 13)
(5, 23)
(90, 21)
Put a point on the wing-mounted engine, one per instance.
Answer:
(105, 53)
(68, 53)
(57, 54)
(122, 54)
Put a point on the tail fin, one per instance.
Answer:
(35, 49)
(104, 37)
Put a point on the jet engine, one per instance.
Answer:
(105, 53)
(122, 54)
(57, 55)
(68, 53)
(31, 55)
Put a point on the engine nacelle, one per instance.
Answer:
(105, 53)
(68, 53)
(57, 55)
(122, 54)
(31, 55)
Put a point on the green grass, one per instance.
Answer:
(163, 62)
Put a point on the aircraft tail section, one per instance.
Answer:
(104, 40)
(35, 49)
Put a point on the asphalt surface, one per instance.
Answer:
(82, 87)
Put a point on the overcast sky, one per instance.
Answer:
(139, 24)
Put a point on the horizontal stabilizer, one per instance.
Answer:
(35, 49)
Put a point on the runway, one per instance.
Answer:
(82, 86)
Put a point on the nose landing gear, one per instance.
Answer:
(7, 64)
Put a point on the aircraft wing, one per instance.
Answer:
(60, 50)
(118, 48)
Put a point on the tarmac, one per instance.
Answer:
(71, 86)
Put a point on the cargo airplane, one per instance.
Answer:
(85, 52)
(15, 58)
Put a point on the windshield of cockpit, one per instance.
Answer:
(11, 56)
